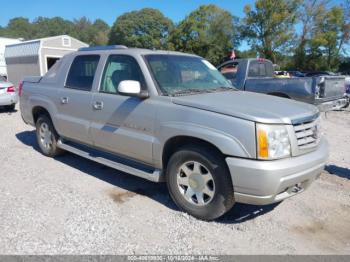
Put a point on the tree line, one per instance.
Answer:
(93, 33)
(296, 34)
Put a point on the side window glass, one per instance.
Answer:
(257, 69)
(53, 70)
(82, 72)
(119, 68)
(229, 71)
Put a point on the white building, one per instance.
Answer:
(3, 42)
(35, 57)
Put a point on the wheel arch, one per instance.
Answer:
(39, 110)
(175, 143)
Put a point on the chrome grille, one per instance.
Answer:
(307, 134)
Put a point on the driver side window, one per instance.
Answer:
(119, 68)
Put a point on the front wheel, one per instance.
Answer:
(47, 137)
(199, 182)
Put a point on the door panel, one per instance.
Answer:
(74, 100)
(124, 126)
(73, 116)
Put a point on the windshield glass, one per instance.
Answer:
(178, 75)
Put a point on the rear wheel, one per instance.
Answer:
(199, 182)
(47, 137)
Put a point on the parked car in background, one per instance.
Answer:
(170, 116)
(347, 84)
(8, 94)
(347, 90)
(257, 75)
(296, 74)
(282, 74)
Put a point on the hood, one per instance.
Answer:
(250, 106)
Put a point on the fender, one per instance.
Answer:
(42, 101)
(226, 143)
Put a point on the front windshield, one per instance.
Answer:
(178, 75)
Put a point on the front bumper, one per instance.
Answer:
(333, 105)
(265, 182)
(7, 99)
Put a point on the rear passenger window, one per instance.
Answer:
(52, 73)
(257, 69)
(82, 72)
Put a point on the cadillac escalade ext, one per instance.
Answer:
(170, 116)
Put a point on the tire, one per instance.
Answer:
(220, 197)
(47, 137)
(10, 107)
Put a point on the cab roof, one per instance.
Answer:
(118, 49)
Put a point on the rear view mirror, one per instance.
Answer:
(132, 88)
(129, 88)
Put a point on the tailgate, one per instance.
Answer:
(32, 79)
(334, 86)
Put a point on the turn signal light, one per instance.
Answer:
(263, 146)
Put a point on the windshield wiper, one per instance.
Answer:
(191, 91)
(222, 88)
(188, 91)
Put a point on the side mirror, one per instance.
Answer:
(131, 88)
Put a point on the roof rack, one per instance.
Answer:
(107, 47)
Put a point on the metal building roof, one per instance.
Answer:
(32, 47)
(29, 48)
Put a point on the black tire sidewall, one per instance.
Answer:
(223, 199)
(10, 107)
(54, 150)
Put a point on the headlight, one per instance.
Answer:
(272, 141)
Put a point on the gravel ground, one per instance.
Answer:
(70, 205)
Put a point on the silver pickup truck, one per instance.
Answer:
(169, 116)
(257, 75)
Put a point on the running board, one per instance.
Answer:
(112, 161)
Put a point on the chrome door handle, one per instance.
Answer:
(98, 105)
(64, 100)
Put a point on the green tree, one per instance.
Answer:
(269, 26)
(324, 37)
(208, 31)
(147, 28)
(95, 33)
(100, 31)
(82, 29)
(307, 13)
(329, 36)
(20, 27)
(45, 27)
(246, 53)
